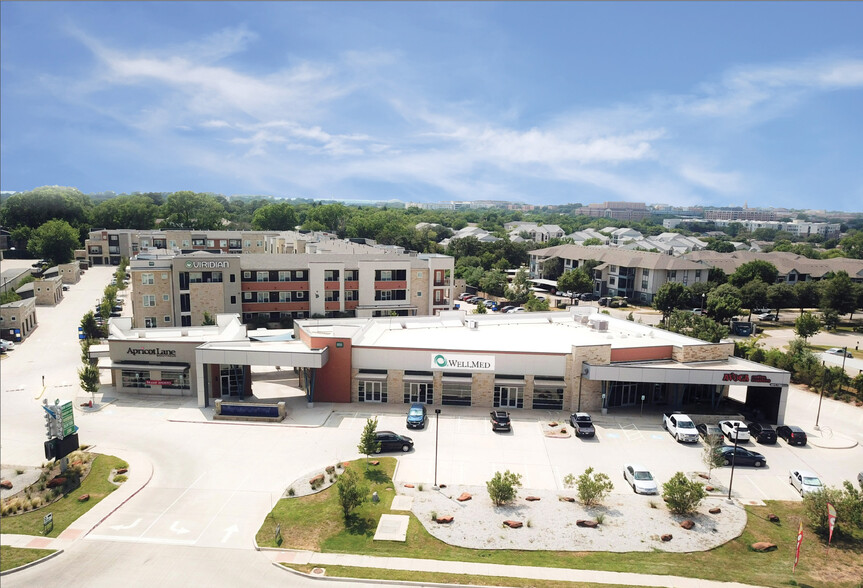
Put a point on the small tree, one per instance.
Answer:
(806, 325)
(351, 492)
(89, 326)
(682, 494)
(848, 502)
(368, 440)
(208, 319)
(711, 457)
(534, 304)
(480, 308)
(503, 487)
(593, 487)
(88, 375)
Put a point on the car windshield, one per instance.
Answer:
(643, 476)
(685, 425)
(811, 481)
(416, 412)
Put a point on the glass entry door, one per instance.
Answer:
(623, 394)
(374, 391)
(511, 396)
(420, 392)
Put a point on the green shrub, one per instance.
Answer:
(593, 487)
(848, 502)
(502, 487)
(682, 494)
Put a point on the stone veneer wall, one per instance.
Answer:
(707, 352)
(591, 391)
(482, 386)
(395, 387)
(528, 390)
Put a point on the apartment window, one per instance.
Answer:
(164, 276)
(613, 269)
(198, 242)
(697, 275)
(149, 299)
(352, 295)
(147, 279)
(645, 273)
(210, 243)
(185, 243)
(247, 296)
(233, 299)
(165, 297)
(284, 296)
(352, 275)
(150, 322)
(419, 274)
(331, 296)
(262, 276)
(195, 277)
(233, 278)
(331, 275)
(612, 280)
(285, 276)
(222, 243)
(167, 318)
(248, 243)
(300, 275)
(419, 294)
(173, 244)
(384, 295)
(262, 297)
(643, 284)
(247, 275)
(672, 274)
(260, 243)
(299, 295)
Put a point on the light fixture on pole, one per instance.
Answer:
(436, 429)
(703, 295)
(733, 459)
(821, 396)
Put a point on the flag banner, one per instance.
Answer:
(831, 521)
(799, 541)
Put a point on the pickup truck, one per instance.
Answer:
(681, 427)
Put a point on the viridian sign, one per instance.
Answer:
(206, 264)
(460, 362)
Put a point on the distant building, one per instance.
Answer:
(616, 210)
(736, 214)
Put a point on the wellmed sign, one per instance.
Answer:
(459, 362)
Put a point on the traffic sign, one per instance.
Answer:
(68, 417)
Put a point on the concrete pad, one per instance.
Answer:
(402, 502)
(392, 528)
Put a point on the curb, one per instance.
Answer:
(32, 563)
(345, 579)
(127, 499)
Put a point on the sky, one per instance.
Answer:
(711, 104)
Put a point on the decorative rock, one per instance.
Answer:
(715, 510)
(84, 498)
(464, 496)
(763, 546)
(532, 498)
(588, 524)
(772, 518)
(330, 469)
(409, 485)
(566, 498)
(444, 520)
(442, 486)
(122, 471)
(687, 524)
(317, 480)
(345, 464)
(6, 484)
(552, 424)
(704, 476)
(375, 462)
(54, 482)
(514, 524)
(666, 537)
(709, 488)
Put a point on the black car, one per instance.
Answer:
(792, 435)
(710, 432)
(500, 421)
(417, 416)
(741, 456)
(762, 432)
(588, 296)
(582, 424)
(393, 441)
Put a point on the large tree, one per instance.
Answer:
(780, 296)
(576, 280)
(55, 240)
(757, 269)
(724, 303)
(519, 291)
(279, 216)
(808, 295)
(698, 327)
(806, 325)
(753, 295)
(35, 208)
(126, 212)
(852, 244)
(839, 294)
(670, 297)
(194, 211)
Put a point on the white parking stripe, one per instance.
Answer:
(173, 503)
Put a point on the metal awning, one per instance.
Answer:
(376, 377)
(119, 365)
(508, 382)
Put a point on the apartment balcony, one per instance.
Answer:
(352, 285)
(333, 305)
(441, 303)
(391, 285)
(443, 282)
(274, 286)
(274, 306)
(332, 285)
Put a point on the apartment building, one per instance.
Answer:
(636, 275)
(792, 267)
(738, 214)
(616, 210)
(176, 289)
(798, 228)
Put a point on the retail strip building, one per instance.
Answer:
(574, 360)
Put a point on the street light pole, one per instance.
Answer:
(436, 429)
(823, 381)
(733, 460)
(703, 294)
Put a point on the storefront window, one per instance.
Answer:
(133, 379)
(548, 395)
(177, 380)
(456, 390)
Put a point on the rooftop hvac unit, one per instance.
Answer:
(585, 319)
(471, 324)
(601, 325)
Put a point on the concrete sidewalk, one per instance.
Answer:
(497, 570)
(139, 475)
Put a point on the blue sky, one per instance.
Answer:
(548, 103)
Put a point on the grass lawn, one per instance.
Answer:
(14, 557)
(316, 523)
(67, 509)
(445, 578)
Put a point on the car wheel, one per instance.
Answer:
(406, 448)
(677, 437)
(727, 462)
(758, 463)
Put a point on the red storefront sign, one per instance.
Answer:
(159, 382)
(733, 377)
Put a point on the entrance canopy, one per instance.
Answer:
(271, 353)
(730, 371)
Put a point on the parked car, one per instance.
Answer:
(507, 308)
(464, 296)
(65, 288)
(6, 345)
(500, 421)
(393, 441)
(762, 432)
(582, 424)
(792, 435)
(804, 481)
(517, 309)
(605, 301)
(838, 351)
(741, 456)
(710, 432)
(732, 429)
(680, 426)
(697, 311)
(417, 416)
(588, 296)
(768, 316)
(761, 310)
(640, 478)
(491, 304)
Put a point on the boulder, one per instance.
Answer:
(687, 524)
(375, 462)
(763, 546)
(409, 485)
(442, 486)
(514, 524)
(122, 471)
(715, 510)
(772, 518)
(566, 498)
(464, 496)
(6, 484)
(54, 482)
(709, 488)
(588, 524)
(532, 498)
(317, 480)
(704, 476)
(444, 520)
(666, 537)
(84, 498)
(331, 469)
